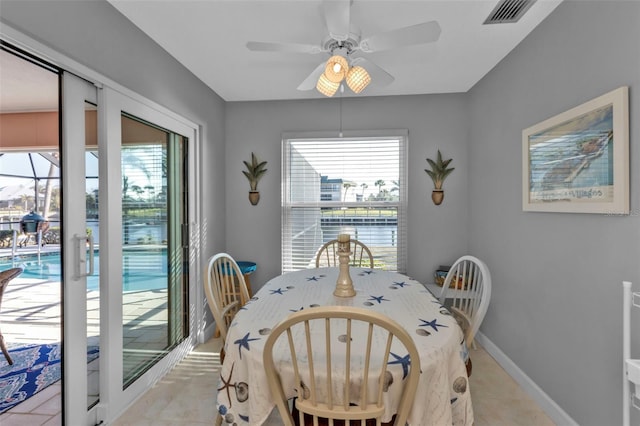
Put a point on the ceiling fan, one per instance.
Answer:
(345, 45)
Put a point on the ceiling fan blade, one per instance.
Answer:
(309, 83)
(337, 16)
(379, 77)
(263, 46)
(426, 32)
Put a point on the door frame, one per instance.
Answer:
(104, 410)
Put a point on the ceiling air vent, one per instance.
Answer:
(508, 11)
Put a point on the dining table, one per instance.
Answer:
(443, 395)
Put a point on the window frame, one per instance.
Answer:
(402, 135)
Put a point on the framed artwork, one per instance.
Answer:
(578, 161)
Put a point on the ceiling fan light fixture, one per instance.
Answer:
(336, 68)
(358, 78)
(326, 86)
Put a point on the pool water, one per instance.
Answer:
(143, 269)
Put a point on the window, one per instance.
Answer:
(344, 185)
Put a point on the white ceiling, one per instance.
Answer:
(209, 38)
(26, 87)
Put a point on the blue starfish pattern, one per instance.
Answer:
(400, 284)
(378, 299)
(405, 361)
(278, 291)
(368, 272)
(313, 278)
(433, 324)
(244, 343)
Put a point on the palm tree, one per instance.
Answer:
(364, 186)
(396, 186)
(346, 187)
(125, 186)
(25, 201)
(48, 190)
(380, 183)
(137, 190)
(150, 189)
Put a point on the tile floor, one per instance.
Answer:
(31, 307)
(185, 396)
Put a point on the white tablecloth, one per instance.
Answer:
(443, 396)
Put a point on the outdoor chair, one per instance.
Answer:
(5, 277)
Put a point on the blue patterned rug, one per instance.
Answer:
(34, 368)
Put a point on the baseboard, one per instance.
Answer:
(553, 410)
(207, 333)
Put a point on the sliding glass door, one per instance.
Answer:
(126, 259)
(105, 295)
(144, 247)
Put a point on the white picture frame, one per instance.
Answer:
(578, 161)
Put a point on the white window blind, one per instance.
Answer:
(348, 185)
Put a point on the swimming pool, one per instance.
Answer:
(143, 269)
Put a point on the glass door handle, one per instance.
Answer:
(81, 271)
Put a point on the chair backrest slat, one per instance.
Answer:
(361, 256)
(357, 344)
(327, 325)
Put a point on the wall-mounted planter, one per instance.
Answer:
(255, 171)
(437, 195)
(254, 197)
(438, 174)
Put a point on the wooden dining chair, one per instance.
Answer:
(225, 289)
(338, 360)
(360, 254)
(466, 291)
(6, 277)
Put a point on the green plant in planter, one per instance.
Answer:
(438, 174)
(255, 171)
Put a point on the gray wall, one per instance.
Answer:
(557, 293)
(556, 304)
(96, 35)
(438, 233)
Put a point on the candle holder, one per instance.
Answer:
(344, 284)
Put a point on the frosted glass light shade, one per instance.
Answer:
(326, 87)
(357, 79)
(336, 68)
